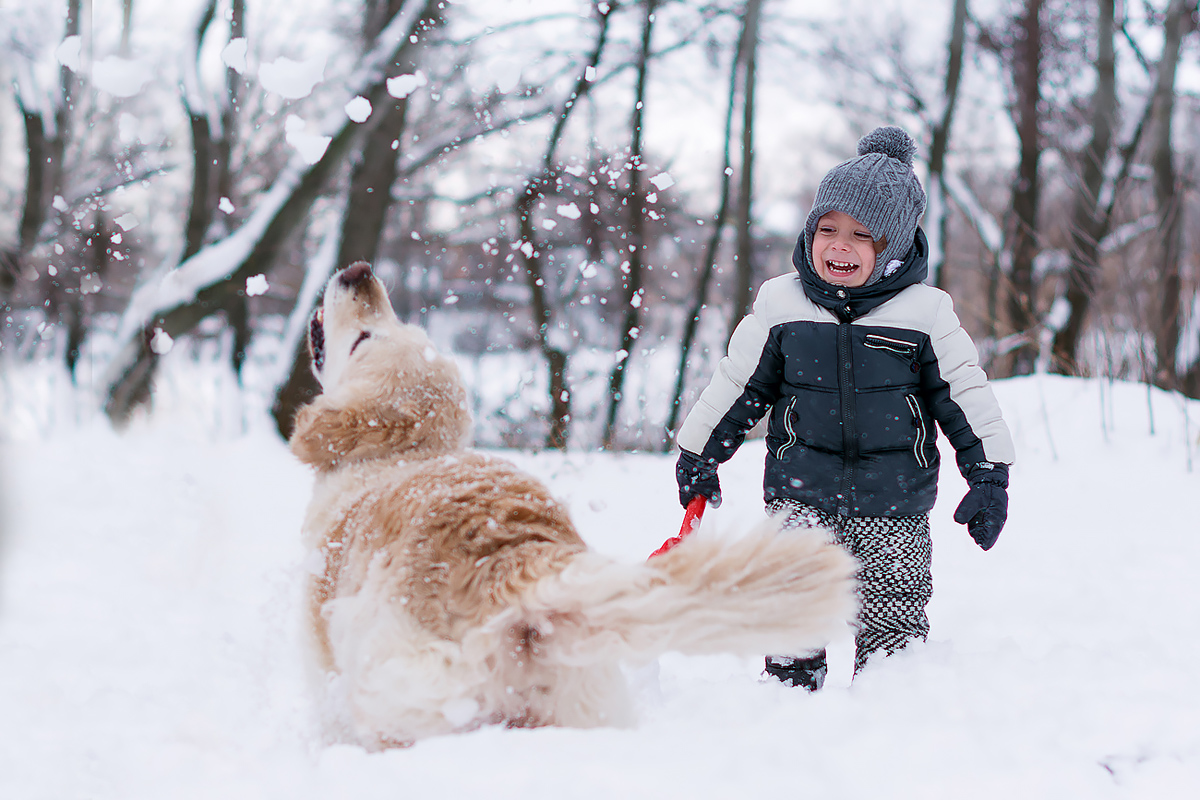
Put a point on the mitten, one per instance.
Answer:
(985, 508)
(697, 477)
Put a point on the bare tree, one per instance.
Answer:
(939, 145)
(632, 277)
(213, 130)
(1089, 220)
(369, 196)
(708, 264)
(533, 253)
(126, 26)
(1168, 196)
(1026, 188)
(254, 248)
(47, 128)
(743, 290)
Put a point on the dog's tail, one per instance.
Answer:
(765, 592)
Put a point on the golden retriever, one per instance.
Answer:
(452, 591)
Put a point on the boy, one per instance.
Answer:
(855, 358)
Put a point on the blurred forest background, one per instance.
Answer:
(582, 193)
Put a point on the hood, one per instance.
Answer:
(849, 303)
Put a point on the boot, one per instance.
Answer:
(807, 672)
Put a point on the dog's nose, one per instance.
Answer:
(355, 274)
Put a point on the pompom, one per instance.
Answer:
(891, 141)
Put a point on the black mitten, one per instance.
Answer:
(985, 508)
(697, 477)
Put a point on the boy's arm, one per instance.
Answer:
(967, 411)
(961, 398)
(741, 392)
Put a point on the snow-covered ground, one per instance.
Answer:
(150, 647)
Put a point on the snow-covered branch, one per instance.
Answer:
(990, 232)
(171, 291)
(1126, 233)
(172, 286)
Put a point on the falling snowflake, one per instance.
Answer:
(662, 181)
(162, 342)
(256, 285)
(359, 109)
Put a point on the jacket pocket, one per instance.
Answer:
(789, 429)
(901, 349)
(922, 436)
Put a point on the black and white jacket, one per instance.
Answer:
(854, 380)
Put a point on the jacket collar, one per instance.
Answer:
(851, 303)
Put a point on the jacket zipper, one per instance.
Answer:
(849, 428)
(905, 351)
(919, 420)
(789, 428)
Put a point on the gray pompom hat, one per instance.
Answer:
(879, 189)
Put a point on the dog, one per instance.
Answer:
(450, 590)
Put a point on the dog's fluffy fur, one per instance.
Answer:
(455, 591)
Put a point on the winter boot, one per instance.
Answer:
(807, 672)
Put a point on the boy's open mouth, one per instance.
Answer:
(840, 267)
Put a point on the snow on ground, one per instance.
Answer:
(150, 639)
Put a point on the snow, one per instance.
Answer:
(150, 626)
(662, 181)
(121, 77)
(162, 342)
(402, 86)
(68, 53)
(310, 146)
(292, 79)
(256, 285)
(233, 55)
(127, 221)
(359, 109)
(506, 74)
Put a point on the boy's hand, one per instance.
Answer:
(697, 477)
(985, 508)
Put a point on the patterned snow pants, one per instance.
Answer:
(895, 580)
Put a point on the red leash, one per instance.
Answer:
(691, 521)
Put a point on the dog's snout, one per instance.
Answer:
(355, 274)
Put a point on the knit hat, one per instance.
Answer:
(880, 190)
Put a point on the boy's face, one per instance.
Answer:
(843, 252)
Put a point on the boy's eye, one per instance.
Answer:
(864, 235)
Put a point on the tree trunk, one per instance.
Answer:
(45, 152)
(636, 202)
(707, 268)
(33, 214)
(1027, 69)
(939, 146)
(370, 197)
(532, 254)
(126, 26)
(376, 168)
(743, 290)
(203, 147)
(1090, 223)
(1168, 197)
(229, 113)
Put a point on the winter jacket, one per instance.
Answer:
(854, 379)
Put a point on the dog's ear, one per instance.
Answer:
(420, 425)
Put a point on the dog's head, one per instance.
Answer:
(386, 392)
